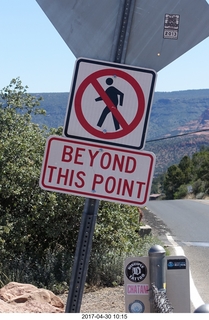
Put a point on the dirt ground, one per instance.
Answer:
(105, 300)
(112, 300)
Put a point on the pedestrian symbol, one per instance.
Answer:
(110, 103)
(113, 94)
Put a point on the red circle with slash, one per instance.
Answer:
(126, 127)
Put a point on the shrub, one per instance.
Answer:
(198, 186)
(181, 192)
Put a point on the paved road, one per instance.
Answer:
(187, 221)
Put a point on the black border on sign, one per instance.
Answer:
(120, 66)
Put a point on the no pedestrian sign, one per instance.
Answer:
(98, 171)
(110, 102)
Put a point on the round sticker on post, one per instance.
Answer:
(136, 271)
(136, 307)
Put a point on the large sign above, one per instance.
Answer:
(161, 30)
(97, 171)
(110, 102)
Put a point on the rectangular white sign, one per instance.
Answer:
(97, 171)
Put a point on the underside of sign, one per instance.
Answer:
(160, 32)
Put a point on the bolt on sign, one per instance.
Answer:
(97, 171)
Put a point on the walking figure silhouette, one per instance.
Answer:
(113, 94)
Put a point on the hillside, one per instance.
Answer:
(173, 113)
(177, 114)
(55, 105)
(171, 151)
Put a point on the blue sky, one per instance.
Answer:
(33, 50)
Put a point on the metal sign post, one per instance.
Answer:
(82, 256)
(88, 220)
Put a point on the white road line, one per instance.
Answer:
(194, 294)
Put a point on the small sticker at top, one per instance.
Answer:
(136, 271)
(171, 26)
(176, 264)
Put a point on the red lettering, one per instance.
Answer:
(62, 175)
(128, 168)
(110, 187)
(119, 185)
(141, 289)
(128, 187)
(140, 188)
(105, 163)
(98, 179)
(78, 155)
(92, 156)
(67, 154)
(51, 168)
(118, 162)
(82, 182)
(71, 178)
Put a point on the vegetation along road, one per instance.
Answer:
(186, 223)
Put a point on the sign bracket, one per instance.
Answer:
(124, 26)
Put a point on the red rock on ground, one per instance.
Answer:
(25, 298)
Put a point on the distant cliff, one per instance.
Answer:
(173, 114)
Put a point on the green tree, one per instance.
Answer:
(181, 192)
(157, 184)
(173, 180)
(34, 222)
(186, 167)
(200, 162)
(28, 214)
(116, 227)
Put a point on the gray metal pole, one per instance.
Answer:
(82, 256)
(157, 266)
(89, 216)
(122, 31)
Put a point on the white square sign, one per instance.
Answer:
(110, 103)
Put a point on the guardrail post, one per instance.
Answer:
(157, 266)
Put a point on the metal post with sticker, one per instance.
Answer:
(136, 285)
